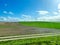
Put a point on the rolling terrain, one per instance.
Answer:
(29, 33)
(8, 29)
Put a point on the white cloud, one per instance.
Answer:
(11, 13)
(26, 16)
(2, 19)
(5, 12)
(16, 19)
(49, 18)
(58, 6)
(59, 11)
(55, 13)
(10, 19)
(54, 17)
(43, 12)
(8, 12)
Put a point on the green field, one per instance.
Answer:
(51, 40)
(42, 24)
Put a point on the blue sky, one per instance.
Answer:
(29, 10)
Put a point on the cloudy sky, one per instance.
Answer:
(29, 10)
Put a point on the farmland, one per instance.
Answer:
(29, 28)
(24, 28)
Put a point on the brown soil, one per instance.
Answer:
(18, 29)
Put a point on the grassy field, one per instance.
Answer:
(51, 40)
(42, 24)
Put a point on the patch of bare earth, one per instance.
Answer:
(18, 29)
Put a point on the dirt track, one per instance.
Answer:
(16, 29)
(9, 38)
